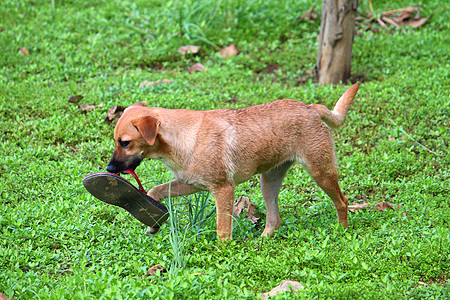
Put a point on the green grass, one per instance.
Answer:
(57, 241)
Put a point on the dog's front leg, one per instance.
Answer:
(224, 197)
(173, 188)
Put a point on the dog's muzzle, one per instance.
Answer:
(116, 166)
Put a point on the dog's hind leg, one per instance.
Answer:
(270, 188)
(325, 173)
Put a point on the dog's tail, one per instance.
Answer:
(336, 117)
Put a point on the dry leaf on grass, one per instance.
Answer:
(198, 67)
(381, 22)
(243, 204)
(408, 16)
(24, 51)
(390, 21)
(151, 83)
(188, 49)
(114, 113)
(401, 14)
(75, 99)
(356, 207)
(152, 271)
(310, 15)
(417, 21)
(83, 107)
(3, 297)
(86, 107)
(381, 206)
(229, 51)
(287, 285)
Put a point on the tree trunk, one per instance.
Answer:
(336, 40)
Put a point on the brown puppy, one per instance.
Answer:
(218, 149)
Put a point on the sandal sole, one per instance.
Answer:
(115, 190)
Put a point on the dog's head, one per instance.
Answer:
(134, 136)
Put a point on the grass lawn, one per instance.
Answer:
(59, 242)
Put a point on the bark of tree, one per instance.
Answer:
(337, 27)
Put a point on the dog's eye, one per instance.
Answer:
(124, 144)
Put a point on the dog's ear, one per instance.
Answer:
(143, 103)
(148, 127)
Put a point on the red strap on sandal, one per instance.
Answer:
(131, 172)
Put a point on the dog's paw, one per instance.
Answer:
(151, 230)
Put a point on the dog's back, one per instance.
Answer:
(252, 140)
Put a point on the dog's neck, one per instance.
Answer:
(176, 143)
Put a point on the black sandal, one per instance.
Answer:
(113, 189)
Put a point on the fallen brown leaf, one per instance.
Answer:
(286, 285)
(114, 113)
(151, 83)
(417, 22)
(380, 21)
(152, 271)
(408, 16)
(188, 49)
(310, 15)
(229, 51)
(3, 297)
(368, 27)
(402, 13)
(24, 51)
(198, 67)
(75, 99)
(243, 204)
(355, 207)
(392, 138)
(390, 21)
(382, 206)
(86, 107)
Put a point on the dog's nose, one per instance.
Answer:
(111, 168)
